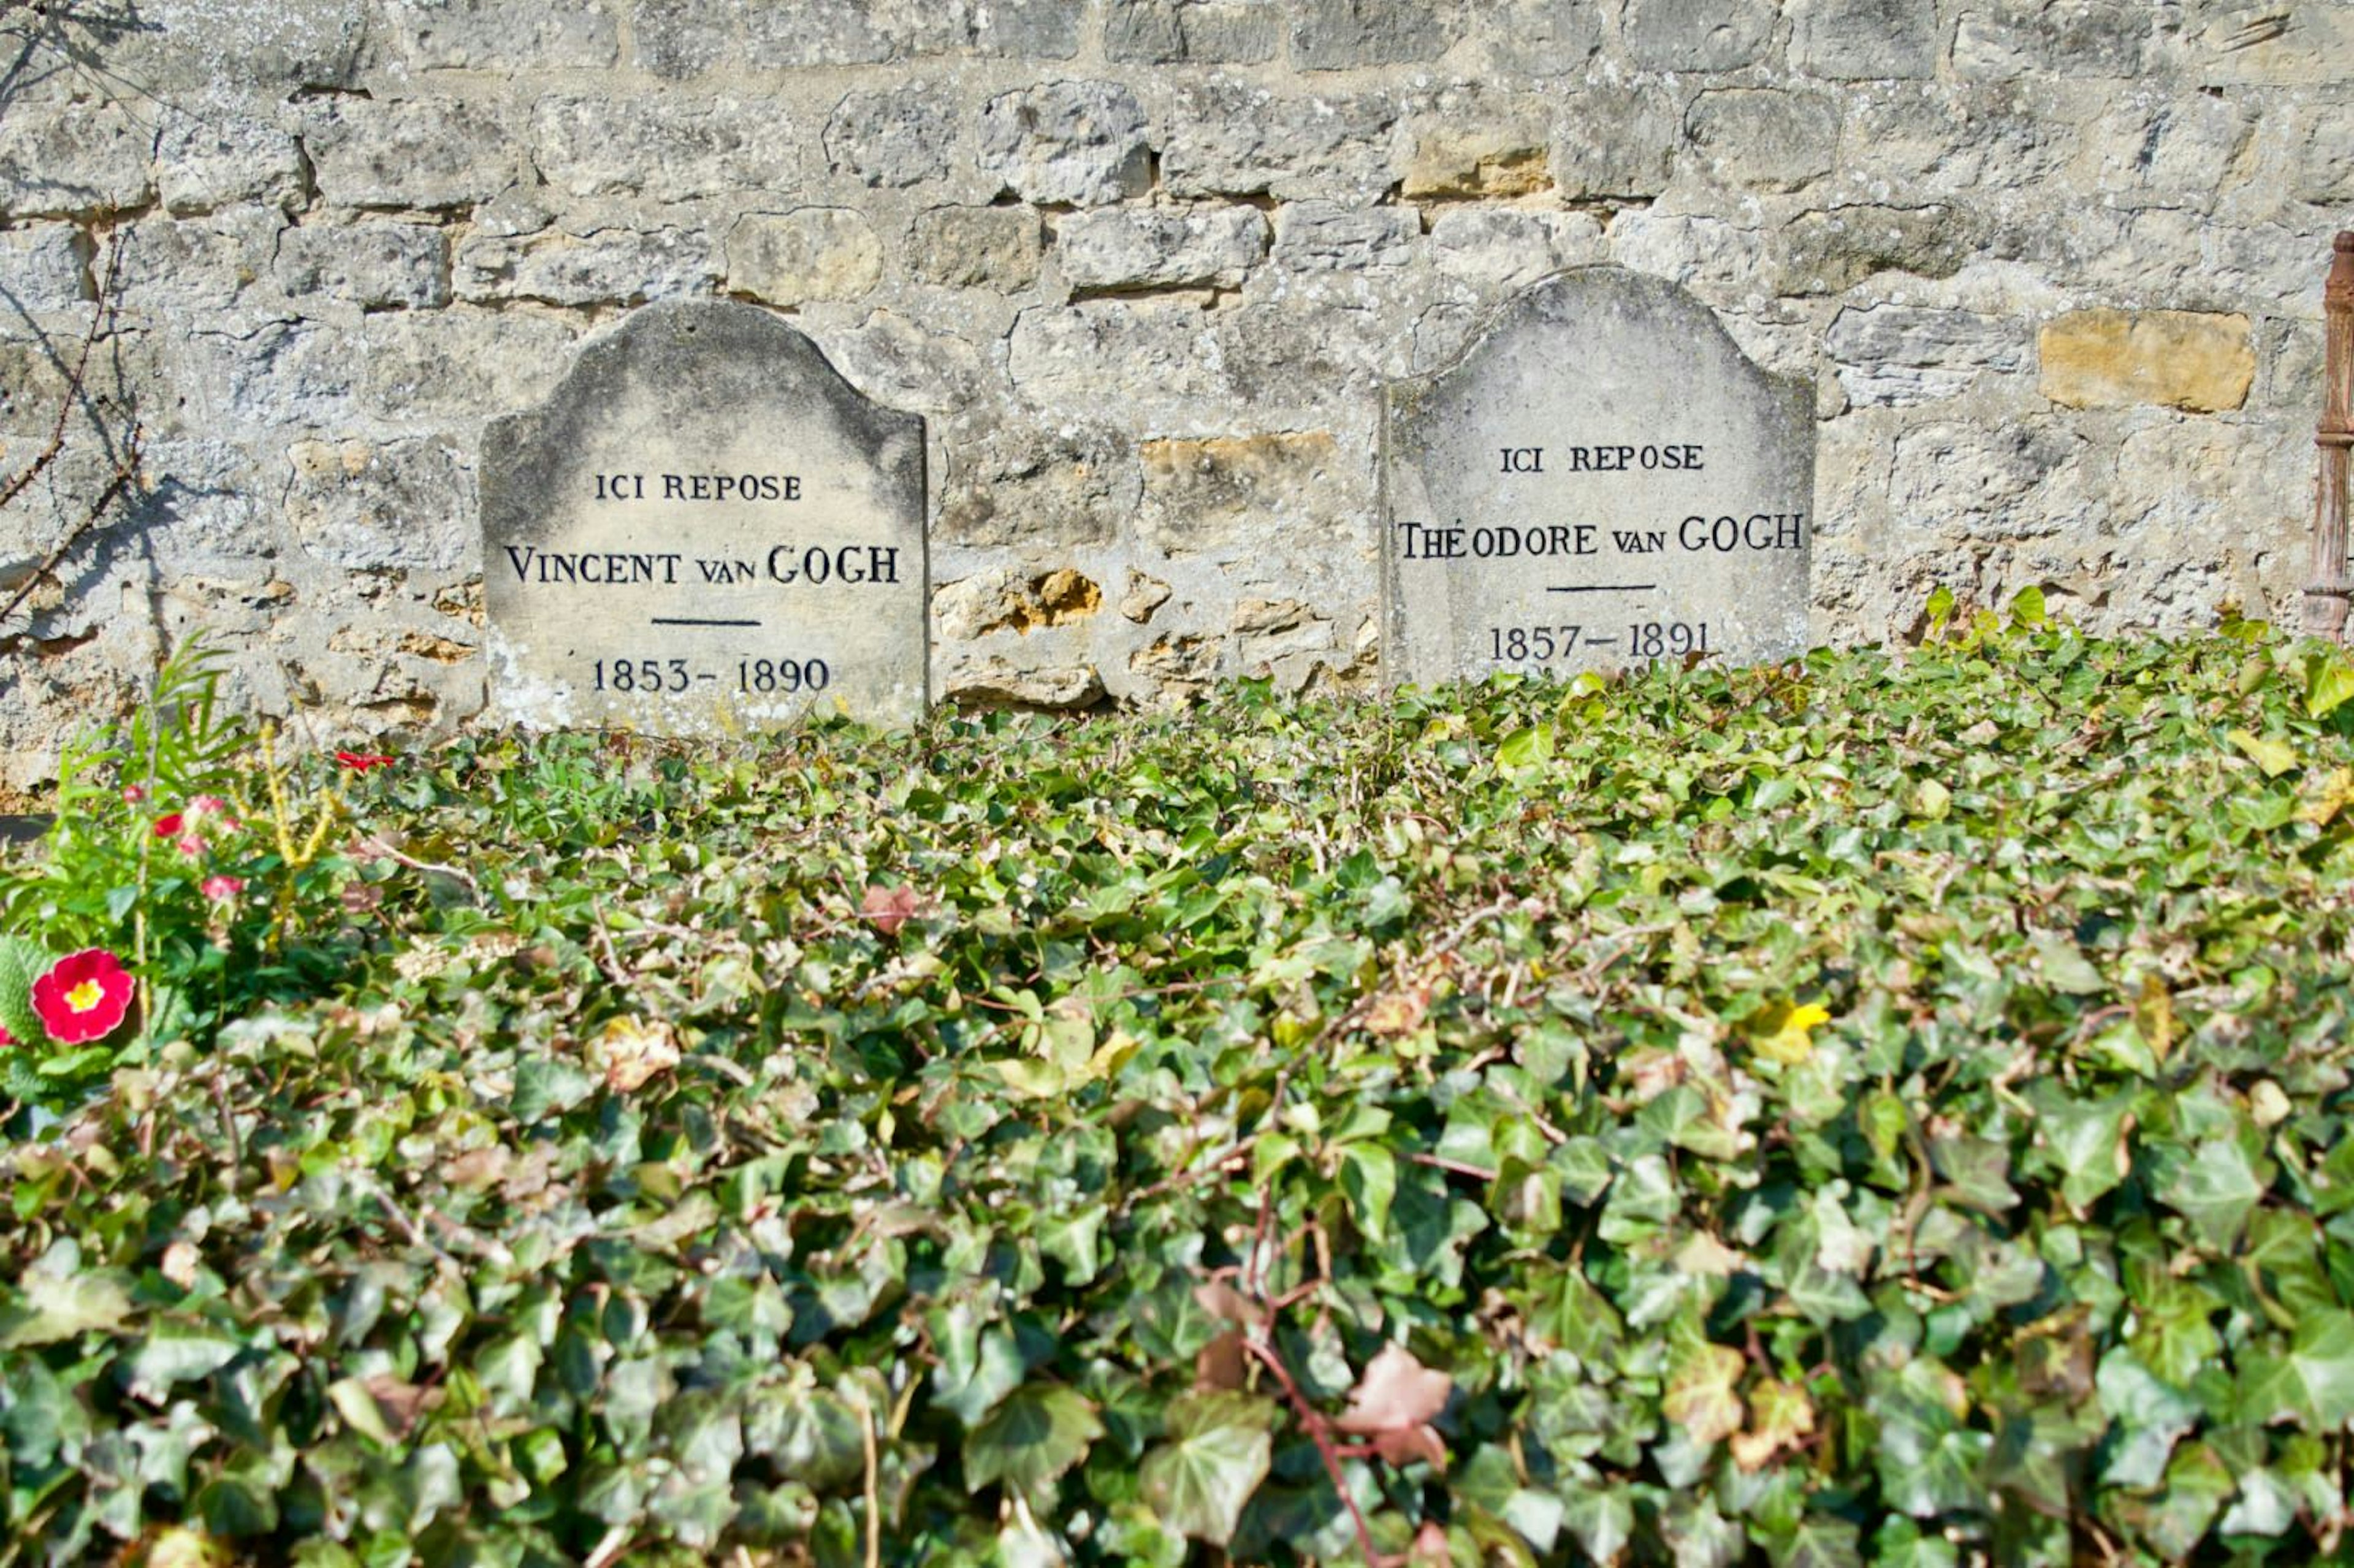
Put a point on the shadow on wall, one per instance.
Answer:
(77, 402)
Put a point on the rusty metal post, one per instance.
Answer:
(2327, 598)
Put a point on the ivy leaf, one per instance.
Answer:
(2330, 685)
(2215, 1189)
(1782, 1032)
(1030, 1439)
(1700, 1393)
(53, 1307)
(1394, 1402)
(2275, 757)
(1218, 1454)
(1780, 1415)
(2311, 1382)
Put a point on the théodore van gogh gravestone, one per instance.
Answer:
(704, 529)
(1601, 480)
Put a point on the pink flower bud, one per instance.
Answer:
(221, 889)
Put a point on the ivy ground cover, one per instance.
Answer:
(1886, 1109)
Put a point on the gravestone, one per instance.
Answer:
(1602, 479)
(704, 530)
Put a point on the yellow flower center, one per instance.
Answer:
(85, 996)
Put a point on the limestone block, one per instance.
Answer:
(1283, 637)
(604, 266)
(1500, 248)
(893, 136)
(1298, 355)
(1764, 140)
(1829, 252)
(672, 148)
(371, 265)
(1996, 39)
(426, 154)
(1466, 154)
(903, 365)
(1615, 140)
(490, 34)
(405, 503)
(460, 365)
(1986, 481)
(1013, 599)
(815, 253)
(1067, 142)
(44, 268)
(1697, 35)
(1228, 138)
(1539, 38)
(2169, 149)
(2273, 45)
(1182, 666)
(176, 48)
(978, 248)
(72, 160)
(1225, 494)
(1192, 32)
(1144, 595)
(2323, 165)
(1133, 248)
(1325, 236)
(1012, 481)
(2198, 361)
(1032, 29)
(998, 683)
(679, 38)
(1864, 40)
(215, 156)
(1149, 359)
(1716, 258)
(186, 269)
(1895, 356)
(1338, 34)
(1920, 142)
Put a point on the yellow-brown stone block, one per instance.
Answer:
(1476, 163)
(2198, 361)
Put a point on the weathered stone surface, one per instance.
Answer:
(74, 160)
(1697, 35)
(1337, 35)
(365, 506)
(179, 47)
(1719, 259)
(1143, 596)
(214, 156)
(978, 248)
(1497, 250)
(1324, 237)
(996, 682)
(815, 253)
(680, 39)
(1067, 142)
(1862, 40)
(1013, 599)
(1923, 142)
(44, 268)
(372, 265)
(1228, 494)
(1764, 140)
(703, 502)
(1034, 29)
(1012, 482)
(423, 153)
(1602, 480)
(1967, 481)
(2173, 152)
(1458, 160)
(1153, 358)
(1192, 32)
(1539, 38)
(1830, 252)
(178, 270)
(490, 34)
(2198, 361)
(663, 147)
(1616, 140)
(2000, 38)
(2324, 173)
(2273, 45)
(1228, 138)
(1283, 637)
(460, 365)
(604, 266)
(1180, 666)
(905, 364)
(1131, 247)
(1295, 355)
(893, 136)
(1894, 355)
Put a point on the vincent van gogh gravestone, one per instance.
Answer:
(704, 529)
(1603, 479)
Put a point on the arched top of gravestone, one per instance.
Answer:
(1604, 305)
(704, 530)
(1601, 479)
(676, 365)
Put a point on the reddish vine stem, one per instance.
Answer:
(1320, 1432)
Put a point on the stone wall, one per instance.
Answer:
(1143, 264)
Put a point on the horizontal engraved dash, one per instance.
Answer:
(1607, 588)
(692, 621)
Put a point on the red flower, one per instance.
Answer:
(7, 1038)
(83, 997)
(170, 827)
(361, 761)
(223, 888)
(132, 794)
